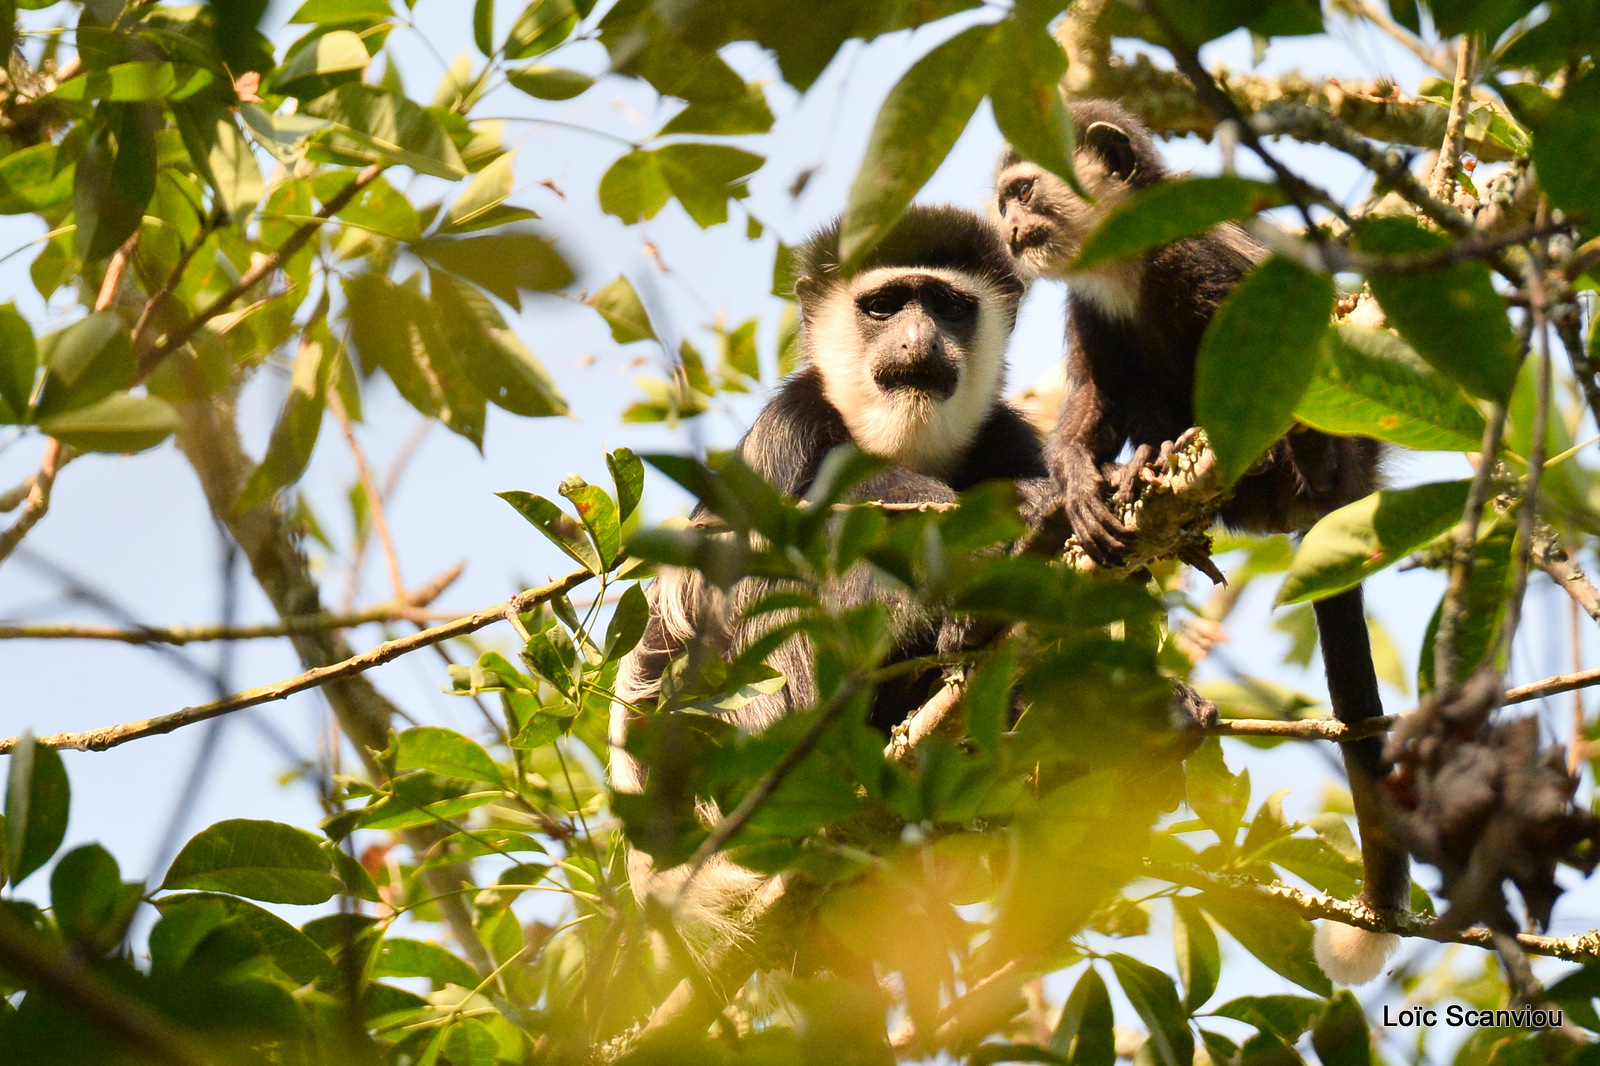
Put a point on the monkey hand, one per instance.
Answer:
(1101, 534)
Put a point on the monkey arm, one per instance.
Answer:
(1088, 435)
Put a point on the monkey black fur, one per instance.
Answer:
(905, 358)
(1133, 333)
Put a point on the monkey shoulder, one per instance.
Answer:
(794, 433)
(1006, 446)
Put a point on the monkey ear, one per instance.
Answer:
(1112, 143)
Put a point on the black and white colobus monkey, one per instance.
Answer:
(906, 359)
(1133, 331)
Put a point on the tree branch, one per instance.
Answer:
(1166, 103)
(112, 736)
(406, 608)
(38, 498)
(1443, 183)
(1550, 556)
(1582, 947)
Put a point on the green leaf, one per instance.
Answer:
(483, 26)
(222, 155)
(1083, 1034)
(537, 732)
(627, 476)
(494, 357)
(1359, 539)
(634, 188)
(85, 363)
(1279, 939)
(398, 957)
(1257, 357)
(743, 114)
(1483, 605)
(1451, 316)
(121, 423)
(1341, 1036)
(143, 80)
(19, 361)
(1027, 101)
(1565, 153)
(37, 800)
(342, 12)
(556, 525)
(1369, 382)
(551, 83)
(31, 181)
(598, 513)
(619, 304)
(91, 904)
(266, 861)
(377, 126)
(627, 623)
(503, 263)
(704, 177)
(1170, 210)
(294, 436)
(308, 72)
(1156, 1001)
(444, 752)
(542, 25)
(544, 658)
(1199, 959)
(489, 188)
(115, 179)
(915, 130)
(1285, 1017)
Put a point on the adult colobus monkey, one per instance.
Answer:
(1133, 333)
(906, 359)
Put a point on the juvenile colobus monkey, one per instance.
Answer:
(906, 359)
(1133, 331)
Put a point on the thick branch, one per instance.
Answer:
(408, 608)
(1164, 100)
(112, 736)
(1583, 947)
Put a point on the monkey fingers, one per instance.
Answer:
(1102, 536)
(1126, 477)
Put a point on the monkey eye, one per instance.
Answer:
(1024, 191)
(881, 305)
(950, 304)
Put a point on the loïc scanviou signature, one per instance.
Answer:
(1456, 1017)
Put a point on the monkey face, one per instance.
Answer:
(1043, 221)
(912, 358)
(916, 329)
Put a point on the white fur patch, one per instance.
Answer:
(1112, 289)
(912, 430)
(1350, 955)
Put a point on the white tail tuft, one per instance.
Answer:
(1350, 955)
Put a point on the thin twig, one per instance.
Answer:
(38, 502)
(263, 268)
(731, 823)
(1303, 729)
(1553, 686)
(1550, 556)
(1465, 550)
(1301, 192)
(380, 522)
(112, 736)
(1527, 517)
(1443, 184)
(185, 257)
(406, 608)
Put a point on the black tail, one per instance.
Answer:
(1353, 689)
